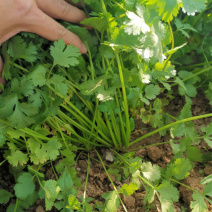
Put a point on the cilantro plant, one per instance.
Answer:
(57, 101)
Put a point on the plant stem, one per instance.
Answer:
(86, 182)
(125, 103)
(169, 126)
(193, 75)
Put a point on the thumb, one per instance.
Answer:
(2, 81)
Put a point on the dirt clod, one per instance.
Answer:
(193, 182)
(154, 153)
(40, 209)
(208, 168)
(129, 201)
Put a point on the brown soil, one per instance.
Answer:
(161, 155)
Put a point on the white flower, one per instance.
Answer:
(174, 72)
(146, 54)
(136, 25)
(145, 78)
(164, 57)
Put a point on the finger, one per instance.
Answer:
(60, 9)
(79, 4)
(48, 28)
(2, 81)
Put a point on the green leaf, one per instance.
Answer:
(29, 201)
(64, 55)
(98, 23)
(207, 179)
(157, 106)
(4, 196)
(179, 169)
(22, 115)
(207, 189)
(168, 191)
(2, 138)
(65, 182)
(25, 186)
(152, 91)
(168, 9)
(198, 205)
(17, 48)
(191, 7)
(194, 154)
(208, 136)
(208, 92)
(73, 203)
(137, 24)
(51, 193)
(38, 76)
(59, 84)
(151, 172)
(48, 151)
(17, 157)
(128, 190)
(112, 202)
(189, 90)
(52, 148)
(15, 133)
(182, 27)
(13, 207)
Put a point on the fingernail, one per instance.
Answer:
(84, 49)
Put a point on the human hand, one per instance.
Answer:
(37, 16)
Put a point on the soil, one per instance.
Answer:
(161, 155)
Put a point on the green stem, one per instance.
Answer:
(169, 126)
(193, 75)
(125, 103)
(114, 187)
(86, 182)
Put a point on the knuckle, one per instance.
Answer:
(23, 7)
(61, 32)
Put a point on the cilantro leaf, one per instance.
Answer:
(208, 135)
(207, 189)
(137, 23)
(38, 76)
(64, 55)
(194, 154)
(179, 169)
(4, 196)
(17, 157)
(128, 190)
(73, 203)
(59, 84)
(25, 186)
(152, 91)
(151, 172)
(22, 115)
(17, 48)
(191, 7)
(198, 205)
(168, 194)
(98, 23)
(51, 193)
(112, 202)
(168, 9)
(65, 182)
(2, 137)
(182, 27)
(208, 92)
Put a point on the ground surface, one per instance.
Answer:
(160, 155)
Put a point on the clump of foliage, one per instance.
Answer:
(57, 102)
